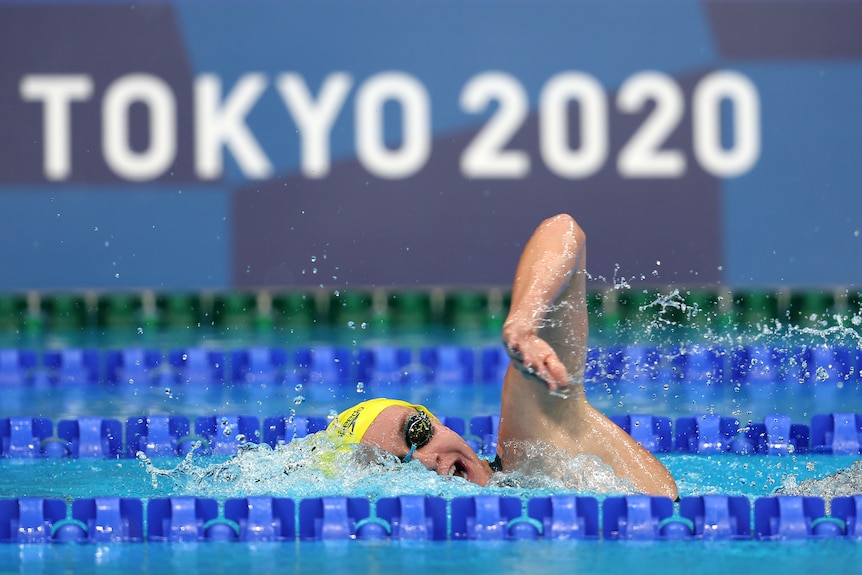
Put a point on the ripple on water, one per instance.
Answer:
(314, 466)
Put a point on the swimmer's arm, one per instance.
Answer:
(552, 271)
(552, 256)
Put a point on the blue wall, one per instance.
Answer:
(221, 144)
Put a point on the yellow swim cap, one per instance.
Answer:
(351, 424)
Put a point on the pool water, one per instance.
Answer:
(386, 557)
(801, 394)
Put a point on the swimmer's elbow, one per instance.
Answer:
(672, 491)
(565, 226)
(666, 487)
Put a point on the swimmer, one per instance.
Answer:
(543, 398)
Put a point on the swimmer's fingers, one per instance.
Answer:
(553, 373)
(514, 353)
(542, 366)
(534, 357)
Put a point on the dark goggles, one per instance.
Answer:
(418, 431)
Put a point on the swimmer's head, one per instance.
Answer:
(410, 431)
(352, 424)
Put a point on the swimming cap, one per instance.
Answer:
(351, 424)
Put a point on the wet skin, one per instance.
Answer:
(446, 454)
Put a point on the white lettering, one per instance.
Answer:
(314, 120)
(554, 125)
(157, 96)
(220, 124)
(643, 155)
(56, 92)
(706, 123)
(415, 146)
(486, 155)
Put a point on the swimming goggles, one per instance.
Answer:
(418, 431)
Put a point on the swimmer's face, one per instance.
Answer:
(447, 453)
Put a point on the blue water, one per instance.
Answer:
(750, 476)
(387, 557)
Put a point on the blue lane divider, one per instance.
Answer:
(110, 519)
(849, 510)
(180, 519)
(828, 365)
(417, 517)
(29, 519)
(794, 517)
(758, 364)
(225, 433)
(565, 516)
(262, 518)
(449, 363)
(259, 365)
(718, 516)
(16, 366)
(22, 437)
(706, 434)
(414, 517)
(322, 364)
(93, 437)
(157, 435)
(635, 517)
(198, 366)
(164, 435)
(495, 363)
(72, 366)
(333, 518)
(484, 517)
(705, 365)
(384, 365)
(640, 369)
(630, 369)
(484, 429)
(837, 433)
(778, 436)
(284, 429)
(132, 366)
(653, 432)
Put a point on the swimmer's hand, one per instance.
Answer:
(535, 358)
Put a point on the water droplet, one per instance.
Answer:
(360, 387)
(313, 259)
(351, 324)
(298, 399)
(298, 387)
(821, 374)
(140, 331)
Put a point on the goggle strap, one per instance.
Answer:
(410, 453)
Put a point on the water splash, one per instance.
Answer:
(314, 466)
(845, 482)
